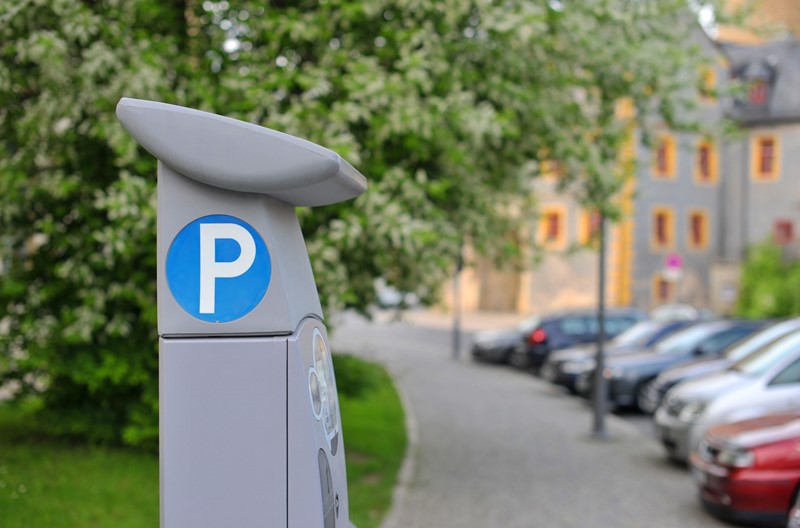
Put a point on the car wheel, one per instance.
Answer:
(794, 512)
(641, 396)
(518, 359)
(504, 357)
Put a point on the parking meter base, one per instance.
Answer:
(222, 449)
(241, 443)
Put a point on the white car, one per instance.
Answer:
(765, 382)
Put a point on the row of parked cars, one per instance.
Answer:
(724, 394)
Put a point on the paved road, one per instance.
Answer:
(500, 448)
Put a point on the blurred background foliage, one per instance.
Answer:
(447, 107)
(770, 285)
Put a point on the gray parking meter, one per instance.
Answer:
(249, 421)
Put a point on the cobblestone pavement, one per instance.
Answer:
(493, 447)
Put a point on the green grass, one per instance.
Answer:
(375, 444)
(45, 482)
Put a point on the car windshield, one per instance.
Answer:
(638, 335)
(761, 339)
(685, 340)
(767, 357)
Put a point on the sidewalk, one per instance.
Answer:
(496, 447)
(470, 321)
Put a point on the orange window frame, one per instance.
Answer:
(552, 230)
(706, 163)
(765, 158)
(662, 228)
(697, 229)
(552, 169)
(588, 227)
(664, 154)
(708, 84)
(662, 290)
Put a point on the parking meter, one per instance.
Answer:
(250, 433)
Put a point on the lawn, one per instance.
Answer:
(46, 482)
(375, 440)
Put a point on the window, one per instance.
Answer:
(663, 231)
(662, 289)
(625, 108)
(705, 170)
(664, 157)
(573, 326)
(552, 226)
(698, 229)
(551, 169)
(790, 374)
(617, 325)
(589, 226)
(708, 84)
(765, 158)
(783, 232)
(758, 92)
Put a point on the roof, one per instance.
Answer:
(614, 311)
(778, 65)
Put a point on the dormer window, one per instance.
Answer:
(758, 92)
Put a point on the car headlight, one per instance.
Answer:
(692, 411)
(614, 373)
(738, 457)
(578, 367)
(705, 450)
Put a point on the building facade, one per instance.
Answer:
(696, 203)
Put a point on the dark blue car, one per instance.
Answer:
(563, 367)
(568, 329)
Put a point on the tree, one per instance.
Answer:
(445, 106)
(77, 210)
(767, 285)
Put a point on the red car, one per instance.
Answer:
(749, 471)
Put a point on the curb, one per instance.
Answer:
(408, 468)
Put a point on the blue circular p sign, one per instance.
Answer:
(218, 268)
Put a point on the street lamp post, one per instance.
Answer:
(600, 382)
(457, 304)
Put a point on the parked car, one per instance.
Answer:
(677, 311)
(749, 471)
(496, 346)
(629, 375)
(563, 367)
(701, 367)
(569, 328)
(765, 382)
(390, 297)
(794, 513)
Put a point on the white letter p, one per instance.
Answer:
(211, 270)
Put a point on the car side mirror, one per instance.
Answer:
(699, 350)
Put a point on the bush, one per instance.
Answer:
(770, 284)
(354, 377)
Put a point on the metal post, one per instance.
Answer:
(457, 305)
(600, 382)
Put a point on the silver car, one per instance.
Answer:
(702, 367)
(766, 382)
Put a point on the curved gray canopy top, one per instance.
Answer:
(239, 156)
